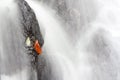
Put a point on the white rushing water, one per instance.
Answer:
(12, 56)
(95, 54)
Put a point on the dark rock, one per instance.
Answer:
(31, 29)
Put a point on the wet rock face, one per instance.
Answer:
(30, 26)
(29, 22)
(31, 29)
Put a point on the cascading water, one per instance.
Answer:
(93, 55)
(12, 57)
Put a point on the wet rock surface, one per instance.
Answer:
(29, 22)
(31, 28)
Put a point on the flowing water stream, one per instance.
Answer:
(81, 40)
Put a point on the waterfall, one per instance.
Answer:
(94, 55)
(81, 39)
